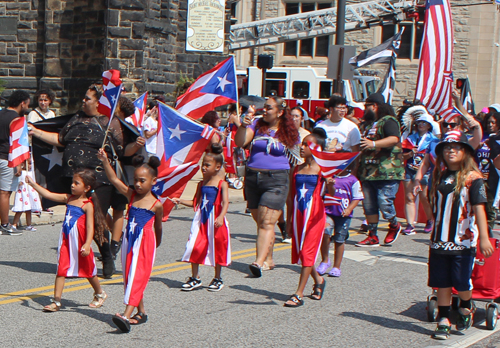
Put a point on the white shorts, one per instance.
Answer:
(7, 181)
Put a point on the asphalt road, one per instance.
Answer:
(379, 301)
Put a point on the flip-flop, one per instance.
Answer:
(296, 299)
(140, 317)
(121, 323)
(266, 267)
(316, 291)
(256, 270)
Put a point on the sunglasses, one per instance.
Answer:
(369, 104)
(452, 124)
(456, 147)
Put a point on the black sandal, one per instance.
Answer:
(296, 299)
(318, 290)
(121, 323)
(140, 317)
(256, 270)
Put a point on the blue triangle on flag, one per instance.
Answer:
(223, 82)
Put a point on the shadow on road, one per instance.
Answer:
(272, 296)
(38, 267)
(388, 323)
(170, 283)
(243, 238)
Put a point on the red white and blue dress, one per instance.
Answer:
(70, 262)
(308, 218)
(138, 252)
(208, 245)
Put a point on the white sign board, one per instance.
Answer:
(205, 25)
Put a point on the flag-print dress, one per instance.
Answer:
(308, 218)
(70, 261)
(208, 245)
(138, 252)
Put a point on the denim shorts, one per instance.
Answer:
(339, 227)
(410, 175)
(446, 271)
(380, 196)
(267, 188)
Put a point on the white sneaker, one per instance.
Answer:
(10, 230)
(30, 229)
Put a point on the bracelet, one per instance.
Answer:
(373, 143)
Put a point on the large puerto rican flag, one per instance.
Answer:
(19, 146)
(435, 77)
(214, 88)
(111, 84)
(181, 143)
(332, 163)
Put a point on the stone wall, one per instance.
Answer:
(66, 45)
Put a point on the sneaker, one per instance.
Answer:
(215, 285)
(442, 331)
(30, 229)
(409, 230)
(323, 267)
(393, 234)
(10, 230)
(370, 241)
(335, 272)
(191, 284)
(464, 320)
(429, 226)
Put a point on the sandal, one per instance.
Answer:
(266, 267)
(140, 318)
(121, 323)
(296, 300)
(53, 307)
(318, 290)
(98, 300)
(256, 269)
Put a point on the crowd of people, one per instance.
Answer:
(452, 167)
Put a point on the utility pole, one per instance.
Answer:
(339, 40)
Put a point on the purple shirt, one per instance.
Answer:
(347, 189)
(267, 153)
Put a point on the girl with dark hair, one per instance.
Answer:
(141, 238)
(83, 219)
(209, 242)
(273, 141)
(44, 98)
(457, 196)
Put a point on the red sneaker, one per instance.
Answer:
(393, 234)
(370, 241)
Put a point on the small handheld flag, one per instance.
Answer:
(332, 163)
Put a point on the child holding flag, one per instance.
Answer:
(209, 241)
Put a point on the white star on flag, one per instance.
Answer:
(55, 158)
(303, 192)
(223, 81)
(176, 132)
(204, 202)
(113, 98)
(155, 188)
(449, 180)
(68, 219)
(132, 225)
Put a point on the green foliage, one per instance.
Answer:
(181, 86)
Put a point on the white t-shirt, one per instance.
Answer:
(33, 116)
(149, 125)
(345, 131)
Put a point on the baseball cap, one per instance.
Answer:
(376, 98)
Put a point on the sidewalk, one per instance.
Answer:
(59, 210)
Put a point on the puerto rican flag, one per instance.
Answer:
(435, 77)
(140, 110)
(138, 253)
(450, 114)
(214, 88)
(308, 220)
(19, 146)
(329, 200)
(208, 245)
(70, 261)
(181, 143)
(111, 84)
(332, 163)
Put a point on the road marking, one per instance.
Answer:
(161, 269)
(370, 257)
(472, 336)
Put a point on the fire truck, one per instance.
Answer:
(308, 84)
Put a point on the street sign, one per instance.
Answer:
(335, 59)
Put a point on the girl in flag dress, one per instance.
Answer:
(26, 199)
(209, 241)
(306, 214)
(141, 238)
(83, 218)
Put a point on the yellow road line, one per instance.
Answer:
(118, 278)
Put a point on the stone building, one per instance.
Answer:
(477, 41)
(66, 45)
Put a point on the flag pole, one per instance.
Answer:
(111, 117)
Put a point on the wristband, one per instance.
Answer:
(373, 143)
